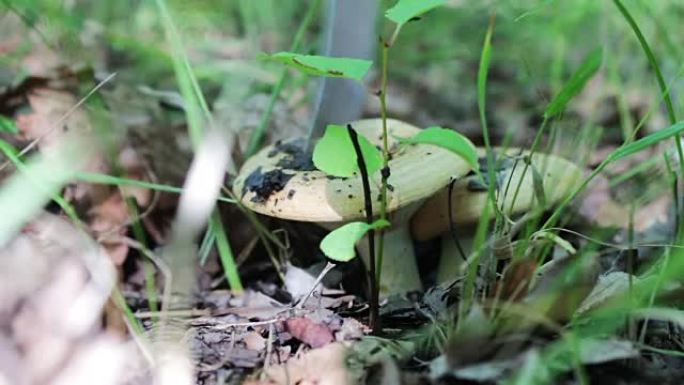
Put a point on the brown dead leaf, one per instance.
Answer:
(314, 334)
(16, 35)
(562, 285)
(254, 341)
(52, 117)
(598, 207)
(108, 221)
(516, 280)
(657, 212)
(324, 366)
(134, 167)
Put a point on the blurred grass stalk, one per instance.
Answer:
(197, 202)
(199, 116)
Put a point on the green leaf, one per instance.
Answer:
(448, 140)
(334, 153)
(335, 67)
(405, 10)
(339, 244)
(8, 125)
(645, 142)
(576, 83)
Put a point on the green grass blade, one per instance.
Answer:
(194, 102)
(646, 142)
(665, 94)
(98, 178)
(230, 268)
(651, 59)
(207, 244)
(8, 125)
(197, 113)
(483, 224)
(575, 84)
(482, 74)
(621, 152)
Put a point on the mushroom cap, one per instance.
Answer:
(416, 172)
(559, 176)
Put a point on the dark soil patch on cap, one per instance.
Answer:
(263, 184)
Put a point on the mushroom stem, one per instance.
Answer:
(451, 261)
(399, 268)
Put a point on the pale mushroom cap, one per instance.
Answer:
(417, 171)
(559, 176)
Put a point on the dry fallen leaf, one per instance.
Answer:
(52, 117)
(254, 341)
(324, 366)
(598, 207)
(108, 222)
(312, 333)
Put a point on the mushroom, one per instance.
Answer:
(281, 182)
(559, 177)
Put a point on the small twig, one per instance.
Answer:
(269, 348)
(230, 325)
(329, 266)
(174, 313)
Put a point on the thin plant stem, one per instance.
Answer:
(533, 148)
(374, 320)
(386, 45)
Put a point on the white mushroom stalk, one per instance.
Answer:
(273, 183)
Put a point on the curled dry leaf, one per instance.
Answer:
(52, 117)
(312, 333)
(516, 280)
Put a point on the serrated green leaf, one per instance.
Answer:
(405, 10)
(448, 140)
(334, 153)
(339, 244)
(576, 83)
(8, 125)
(335, 67)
